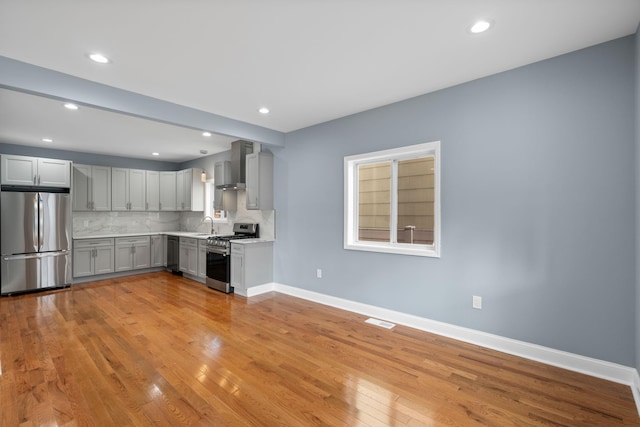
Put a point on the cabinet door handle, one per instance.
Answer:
(159, 206)
(146, 206)
(34, 180)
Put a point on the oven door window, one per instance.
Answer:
(217, 267)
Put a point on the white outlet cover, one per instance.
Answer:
(477, 302)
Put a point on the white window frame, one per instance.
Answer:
(351, 164)
(209, 187)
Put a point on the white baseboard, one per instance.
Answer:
(635, 389)
(562, 359)
(261, 289)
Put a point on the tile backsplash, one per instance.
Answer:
(87, 224)
(97, 223)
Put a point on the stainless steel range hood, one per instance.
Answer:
(236, 179)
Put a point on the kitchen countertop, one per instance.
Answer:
(195, 235)
(191, 234)
(250, 241)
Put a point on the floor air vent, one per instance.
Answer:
(381, 323)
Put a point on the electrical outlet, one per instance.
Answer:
(86, 222)
(477, 302)
(319, 273)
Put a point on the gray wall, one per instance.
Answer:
(88, 159)
(538, 205)
(637, 139)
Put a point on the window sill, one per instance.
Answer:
(399, 249)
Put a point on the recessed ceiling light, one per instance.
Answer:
(205, 133)
(70, 106)
(263, 110)
(480, 26)
(99, 58)
(47, 140)
(155, 154)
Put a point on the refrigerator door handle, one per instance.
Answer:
(32, 256)
(40, 222)
(36, 220)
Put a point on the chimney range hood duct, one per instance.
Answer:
(236, 180)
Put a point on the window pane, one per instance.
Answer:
(374, 202)
(416, 201)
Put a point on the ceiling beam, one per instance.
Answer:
(23, 77)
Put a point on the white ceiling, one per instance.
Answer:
(309, 61)
(25, 119)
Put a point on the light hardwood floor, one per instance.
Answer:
(157, 349)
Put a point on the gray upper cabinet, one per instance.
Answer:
(152, 192)
(128, 188)
(167, 191)
(35, 171)
(189, 190)
(91, 188)
(119, 189)
(259, 181)
(181, 193)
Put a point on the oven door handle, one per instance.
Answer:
(222, 252)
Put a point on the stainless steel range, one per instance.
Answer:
(218, 259)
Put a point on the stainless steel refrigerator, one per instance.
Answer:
(35, 240)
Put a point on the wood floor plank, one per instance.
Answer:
(158, 349)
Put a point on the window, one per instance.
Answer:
(210, 193)
(392, 201)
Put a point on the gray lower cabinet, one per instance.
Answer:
(251, 265)
(202, 259)
(189, 255)
(237, 269)
(132, 253)
(158, 251)
(93, 256)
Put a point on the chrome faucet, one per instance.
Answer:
(213, 231)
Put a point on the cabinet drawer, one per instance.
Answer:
(92, 243)
(188, 241)
(237, 249)
(138, 240)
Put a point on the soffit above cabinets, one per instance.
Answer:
(25, 119)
